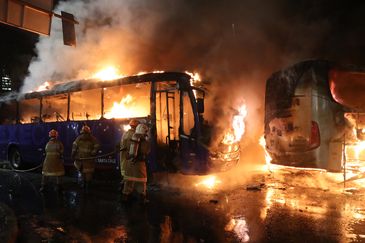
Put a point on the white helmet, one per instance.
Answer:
(142, 129)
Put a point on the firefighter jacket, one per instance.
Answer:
(124, 149)
(136, 169)
(85, 146)
(53, 163)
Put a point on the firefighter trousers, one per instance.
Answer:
(138, 186)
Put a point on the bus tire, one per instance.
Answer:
(15, 159)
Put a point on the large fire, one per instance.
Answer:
(268, 158)
(354, 148)
(235, 134)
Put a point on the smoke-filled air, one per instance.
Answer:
(234, 45)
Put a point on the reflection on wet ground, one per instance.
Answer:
(282, 208)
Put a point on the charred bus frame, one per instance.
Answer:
(182, 142)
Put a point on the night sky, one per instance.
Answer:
(294, 30)
(16, 51)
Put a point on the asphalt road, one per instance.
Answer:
(283, 206)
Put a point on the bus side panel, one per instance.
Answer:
(107, 132)
(32, 140)
(29, 139)
(4, 140)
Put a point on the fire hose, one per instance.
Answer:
(86, 158)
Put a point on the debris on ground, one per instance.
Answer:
(255, 187)
(214, 201)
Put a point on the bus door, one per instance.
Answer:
(188, 136)
(167, 124)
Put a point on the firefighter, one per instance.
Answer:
(125, 143)
(84, 148)
(136, 172)
(53, 163)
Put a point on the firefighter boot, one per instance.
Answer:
(86, 186)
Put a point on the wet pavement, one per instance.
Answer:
(284, 206)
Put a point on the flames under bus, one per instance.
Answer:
(314, 115)
(172, 108)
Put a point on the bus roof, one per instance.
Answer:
(86, 84)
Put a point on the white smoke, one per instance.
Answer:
(108, 33)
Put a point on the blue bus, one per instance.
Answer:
(166, 102)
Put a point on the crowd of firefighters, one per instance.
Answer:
(134, 148)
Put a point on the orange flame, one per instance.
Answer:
(195, 77)
(125, 108)
(108, 73)
(209, 182)
(268, 158)
(238, 127)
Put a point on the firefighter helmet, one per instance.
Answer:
(53, 133)
(133, 123)
(142, 129)
(85, 129)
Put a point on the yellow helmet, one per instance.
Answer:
(53, 133)
(133, 123)
(85, 129)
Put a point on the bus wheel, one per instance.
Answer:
(15, 158)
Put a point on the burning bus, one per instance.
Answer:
(314, 116)
(166, 101)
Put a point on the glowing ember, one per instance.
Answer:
(210, 182)
(126, 108)
(108, 73)
(238, 127)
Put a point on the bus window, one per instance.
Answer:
(85, 105)
(127, 101)
(8, 113)
(188, 118)
(29, 111)
(54, 108)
